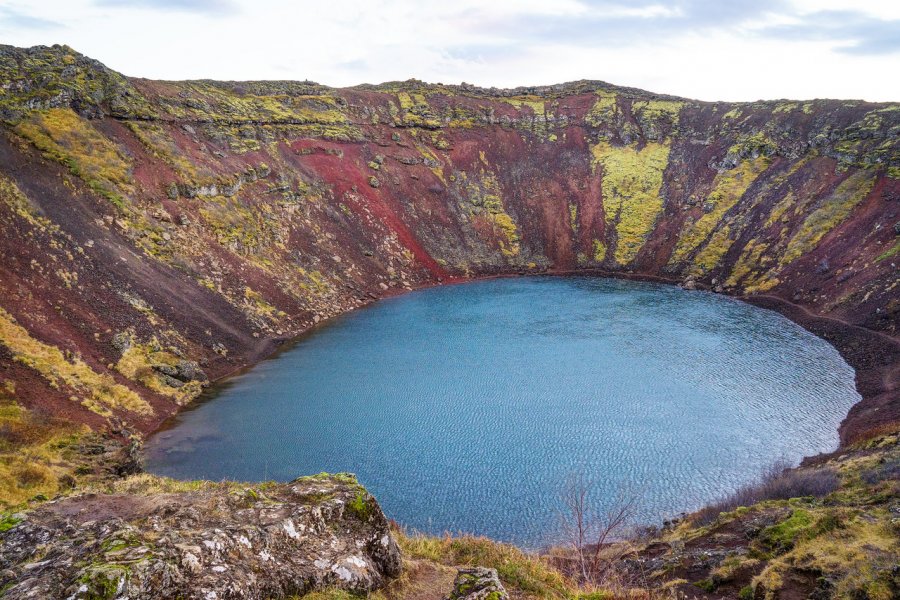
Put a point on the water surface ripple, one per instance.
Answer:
(466, 407)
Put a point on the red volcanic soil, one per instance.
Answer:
(207, 222)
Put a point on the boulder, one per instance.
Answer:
(220, 541)
(478, 583)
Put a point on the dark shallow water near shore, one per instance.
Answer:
(466, 407)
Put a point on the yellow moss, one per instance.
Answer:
(749, 260)
(137, 364)
(783, 107)
(65, 137)
(12, 196)
(599, 251)
(31, 453)
(484, 195)
(254, 301)
(728, 187)
(430, 156)
(99, 392)
(779, 210)
(535, 103)
(603, 110)
(889, 253)
(416, 110)
(509, 244)
(657, 110)
(573, 216)
(156, 139)
(831, 212)
(631, 192)
(712, 253)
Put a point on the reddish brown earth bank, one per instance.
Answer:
(156, 235)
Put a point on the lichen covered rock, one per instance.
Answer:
(478, 583)
(217, 541)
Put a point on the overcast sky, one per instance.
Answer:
(706, 49)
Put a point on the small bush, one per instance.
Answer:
(887, 471)
(778, 483)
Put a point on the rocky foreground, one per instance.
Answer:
(217, 541)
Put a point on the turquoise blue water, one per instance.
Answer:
(466, 407)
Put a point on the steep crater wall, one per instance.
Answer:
(156, 235)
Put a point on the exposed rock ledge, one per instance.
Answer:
(215, 542)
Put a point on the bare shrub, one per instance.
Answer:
(887, 471)
(779, 482)
(590, 534)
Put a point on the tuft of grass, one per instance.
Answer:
(98, 391)
(33, 450)
(527, 573)
(63, 136)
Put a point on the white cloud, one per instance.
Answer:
(704, 49)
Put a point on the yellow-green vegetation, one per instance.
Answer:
(528, 574)
(542, 115)
(432, 161)
(255, 302)
(599, 249)
(509, 242)
(846, 536)
(779, 211)
(728, 187)
(96, 391)
(48, 73)
(33, 451)
(753, 145)
(416, 111)
(715, 248)
(63, 136)
(785, 107)
(604, 109)
(161, 145)
(632, 180)
(486, 203)
(204, 99)
(536, 104)
(656, 116)
(751, 268)
(890, 253)
(243, 229)
(830, 213)
(12, 196)
(138, 361)
(850, 536)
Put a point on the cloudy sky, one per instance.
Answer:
(706, 49)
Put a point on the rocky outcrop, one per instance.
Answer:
(478, 583)
(219, 541)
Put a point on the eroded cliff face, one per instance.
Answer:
(158, 234)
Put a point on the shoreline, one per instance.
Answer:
(874, 356)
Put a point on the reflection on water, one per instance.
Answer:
(464, 408)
